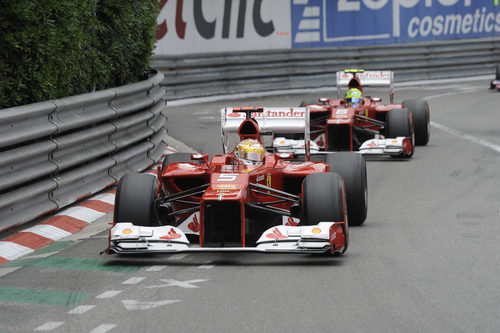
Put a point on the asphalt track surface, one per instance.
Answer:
(426, 260)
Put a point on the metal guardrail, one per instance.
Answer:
(228, 73)
(56, 152)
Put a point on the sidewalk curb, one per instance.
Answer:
(63, 224)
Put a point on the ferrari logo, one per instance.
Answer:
(268, 180)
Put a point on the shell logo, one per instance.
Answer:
(394, 141)
(316, 231)
(127, 231)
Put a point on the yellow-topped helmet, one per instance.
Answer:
(353, 97)
(250, 151)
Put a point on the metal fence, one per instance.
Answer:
(228, 73)
(56, 152)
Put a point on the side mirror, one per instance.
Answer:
(284, 156)
(200, 157)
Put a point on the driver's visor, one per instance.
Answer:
(355, 100)
(252, 156)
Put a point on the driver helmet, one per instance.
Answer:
(250, 152)
(353, 97)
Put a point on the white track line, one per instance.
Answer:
(156, 268)
(108, 294)
(103, 328)
(134, 280)
(178, 256)
(81, 309)
(466, 136)
(49, 326)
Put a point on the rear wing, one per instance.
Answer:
(271, 120)
(367, 79)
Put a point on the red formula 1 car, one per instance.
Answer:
(495, 84)
(369, 127)
(240, 202)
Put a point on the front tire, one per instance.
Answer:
(399, 123)
(419, 109)
(134, 201)
(322, 199)
(352, 168)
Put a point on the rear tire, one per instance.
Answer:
(322, 198)
(352, 168)
(134, 201)
(399, 123)
(421, 117)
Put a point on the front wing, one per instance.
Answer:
(396, 146)
(325, 237)
(378, 146)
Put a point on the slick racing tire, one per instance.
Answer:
(134, 201)
(421, 117)
(352, 168)
(399, 123)
(309, 101)
(322, 198)
(176, 158)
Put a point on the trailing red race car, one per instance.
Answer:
(495, 84)
(247, 199)
(361, 123)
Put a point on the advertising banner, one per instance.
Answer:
(322, 23)
(208, 26)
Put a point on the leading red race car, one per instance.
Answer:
(247, 199)
(368, 127)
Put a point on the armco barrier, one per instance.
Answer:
(56, 152)
(227, 73)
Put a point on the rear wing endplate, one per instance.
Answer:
(271, 121)
(367, 79)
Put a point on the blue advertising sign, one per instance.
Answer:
(321, 23)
